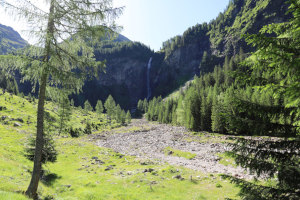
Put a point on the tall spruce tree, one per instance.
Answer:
(110, 106)
(62, 56)
(99, 107)
(273, 67)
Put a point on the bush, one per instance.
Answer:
(74, 133)
(88, 129)
(49, 153)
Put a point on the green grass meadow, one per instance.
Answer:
(85, 171)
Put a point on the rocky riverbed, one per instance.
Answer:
(148, 141)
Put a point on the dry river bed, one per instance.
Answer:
(148, 140)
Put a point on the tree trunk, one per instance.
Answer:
(39, 144)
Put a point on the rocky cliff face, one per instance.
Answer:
(125, 76)
(219, 38)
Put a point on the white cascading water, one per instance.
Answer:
(148, 79)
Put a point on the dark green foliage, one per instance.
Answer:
(142, 108)
(8, 84)
(114, 111)
(269, 158)
(49, 153)
(75, 133)
(274, 68)
(88, 129)
(252, 118)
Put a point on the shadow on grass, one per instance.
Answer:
(49, 178)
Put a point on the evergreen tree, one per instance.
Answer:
(64, 112)
(110, 106)
(49, 152)
(217, 116)
(140, 106)
(123, 117)
(118, 114)
(99, 107)
(145, 105)
(53, 61)
(87, 106)
(128, 117)
(275, 57)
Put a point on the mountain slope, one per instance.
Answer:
(219, 38)
(181, 57)
(124, 77)
(10, 40)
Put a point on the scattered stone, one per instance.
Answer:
(179, 177)
(148, 146)
(153, 182)
(148, 170)
(2, 108)
(143, 163)
(110, 167)
(68, 186)
(16, 124)
(19, 120)
(4, 117)
(95, 158)
(100, 162)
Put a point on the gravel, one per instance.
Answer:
(150, 144)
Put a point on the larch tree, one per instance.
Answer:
(63, 56)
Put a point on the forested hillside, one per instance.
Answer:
(198, 49)
(254, 94)
(203, 46)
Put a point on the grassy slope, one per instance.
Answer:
(74, 176)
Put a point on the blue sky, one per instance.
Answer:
(152, 21)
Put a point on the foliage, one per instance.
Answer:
(64, 55)
(49, 153)
(88, 128)
(128, 117)
(87, 106)
(99, 107)
(114, 111)
(273, 67)
(64, 112)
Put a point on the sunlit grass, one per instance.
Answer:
(85, 171)
(175, 152)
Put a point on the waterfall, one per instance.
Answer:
(148, 79)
